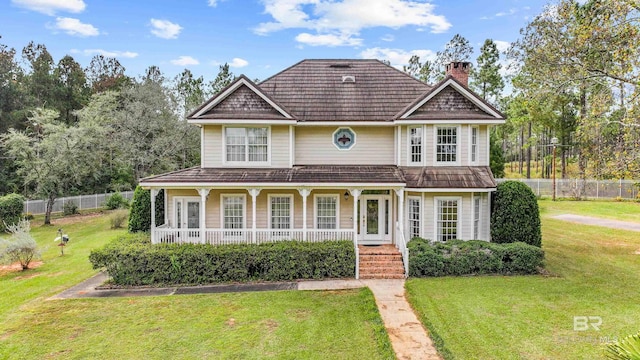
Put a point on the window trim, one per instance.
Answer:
(435, 145)
(246, 162)
(244, 209)
(291, 212)
(422, 146)
(477, 152)
(315, 210)
(420, 212)
(436, 209)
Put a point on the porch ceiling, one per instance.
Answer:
(429, 177)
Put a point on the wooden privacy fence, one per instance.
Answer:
(84, 202)
(589, 189)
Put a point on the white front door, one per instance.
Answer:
(375, 219)
(187, 215)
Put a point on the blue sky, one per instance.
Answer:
(256, 37)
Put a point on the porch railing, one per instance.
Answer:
(167, 235)
(401, 244)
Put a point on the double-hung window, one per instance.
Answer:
(280, 210)
(413, 214)
(233, 212)
(415, 145)
(474, 144)
(447, 144)
(247, 144)
(447, 218)
(476, 217)
(326, 212)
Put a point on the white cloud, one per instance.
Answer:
(213, 3)
(74, 27)
(328, 40)
(502, 45)
(165, 29)
(388, 38)
(50, 7)
(238, 63)
(185, 61)
(345, 19)
(397, 57)
(505, 13)
(105, 53)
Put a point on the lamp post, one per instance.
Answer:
(554, 143)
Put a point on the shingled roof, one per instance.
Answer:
(434, 177)
(323, 90)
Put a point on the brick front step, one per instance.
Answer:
(381, 276)
(380, 263)
(385, 270)
(397, 257)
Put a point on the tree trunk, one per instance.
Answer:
(47, 215)
(529, 153)
(521, 157)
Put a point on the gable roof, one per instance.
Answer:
(314, 90)
(242, 99)
(449, 99)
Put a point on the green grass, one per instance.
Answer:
(278, 325)
(594, 272)
(617, 210)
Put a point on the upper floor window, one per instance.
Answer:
(447, 144)
(415, 145)
(245, 144)
(474, 144)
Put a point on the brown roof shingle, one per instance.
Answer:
(445, 177)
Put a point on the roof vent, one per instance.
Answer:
(340, 66)
(348, 79)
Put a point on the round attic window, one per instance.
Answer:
(344, 138)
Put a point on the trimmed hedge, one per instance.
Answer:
(11, 206)
(140, 213)
(133, 260)
(515, 216)
(474, 257)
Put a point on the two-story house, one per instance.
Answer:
(335, 149)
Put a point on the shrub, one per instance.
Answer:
(21, 246)
(132, 260)
(475, 257)
(118, 218)
(140, 214)
(625, 349)
(116, 201)
(70, 208)
(11, 206)
(515, 216)
(28, 216)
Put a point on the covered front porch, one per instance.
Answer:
(219, 216)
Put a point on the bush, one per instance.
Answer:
(70, 208)
(11, 206)
(28, 216)
(118, 218)
(21, 247)
(116, 201)
(140, 214)
(625, 349)
(132, 260)
(475, 257)
(515, 216)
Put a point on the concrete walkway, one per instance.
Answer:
(408, 337)
(589, 220)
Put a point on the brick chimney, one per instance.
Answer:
(459, 70)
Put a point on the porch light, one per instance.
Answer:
(346, 195)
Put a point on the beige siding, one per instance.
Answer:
(280, 146)
(171, 195)
(429, 215)
(463, 143)
(403, 146)
(486, 217)
(429, 147)
(374, 146)
(212, 146)
(483, 150)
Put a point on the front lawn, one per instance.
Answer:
(594, 271)
(282, 325)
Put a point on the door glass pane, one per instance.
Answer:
(386, 217)
(179, 214)
(193, 215)
(372, 216)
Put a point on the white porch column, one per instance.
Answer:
(254, 194)
(204, 193)
(356, 194)
(304, 193)
(400, 194)
(154, 193)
